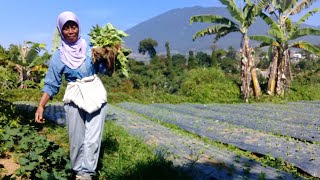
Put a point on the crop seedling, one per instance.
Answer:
(108, 47)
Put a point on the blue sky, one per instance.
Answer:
(35, 20)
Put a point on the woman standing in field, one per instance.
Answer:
(85, 99)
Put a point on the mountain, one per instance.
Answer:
(173, 26)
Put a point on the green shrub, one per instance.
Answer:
(304, 92)
(30, 94)
(209, 85)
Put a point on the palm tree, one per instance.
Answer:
(223, 26)
(26, 58)
(283, 36)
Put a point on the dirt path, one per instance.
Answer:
(8, 166)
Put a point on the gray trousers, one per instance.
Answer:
(85, 133)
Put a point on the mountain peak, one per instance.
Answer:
(173, 27)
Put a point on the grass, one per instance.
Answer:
(123, 156)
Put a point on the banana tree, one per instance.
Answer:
(27, 59)
(243, 19)
(283, 35)
(56, 41)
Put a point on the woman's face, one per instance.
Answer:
(70, 31)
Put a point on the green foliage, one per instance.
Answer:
(168, 50)
(304, 92)
(191, 60)
(36, 153)
(28, 54)
(4, 54)
(214, 59)
(56, 41)
(178, 61)
(204, 59)
(8, 116)
(230, 65)
(243, 19)
(283, 31)
(209, 85)
(107, 36)
(305, 87)
(148, 45)
(38, 158)
(29, 63)
(111, 38)
(30, 94)
(22, 94)
(8, 78)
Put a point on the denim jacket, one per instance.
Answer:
(57, 68)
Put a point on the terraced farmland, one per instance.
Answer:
(289, 131)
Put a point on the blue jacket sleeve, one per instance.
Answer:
(53, 78)
(100, 67)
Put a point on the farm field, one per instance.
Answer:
(285, 131)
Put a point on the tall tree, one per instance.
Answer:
(243, 19)
(148, 45)
(27, 56)
(283, 35)
(169, 58)
(214, 56)
(56, 41)
(191, 60)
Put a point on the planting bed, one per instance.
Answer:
(265, 129)
(202, 160)
(303, 155)
(277, 120)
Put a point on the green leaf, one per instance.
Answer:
(287, 4)
(213, 30)
(44, 174)
(33, 155)
(23, 161)
(276, 34)
(225, 31)
(250, 15)
(31, 166)
(300, 6)
(304, 18)
(304, 32)
(9, 144)
(56, 41)
(270, 21)
(233, 9)
(212, 19)
(306, 46)
(264, 39)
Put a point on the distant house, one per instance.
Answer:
(313, 57)
(295, 56)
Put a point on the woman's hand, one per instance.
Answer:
(39, 115)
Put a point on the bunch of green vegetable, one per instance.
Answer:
(108, 46)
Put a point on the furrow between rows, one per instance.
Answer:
(240, 118)
(303, 155)
(182, 150)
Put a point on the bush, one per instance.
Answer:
(209, 85)
(304, 92)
